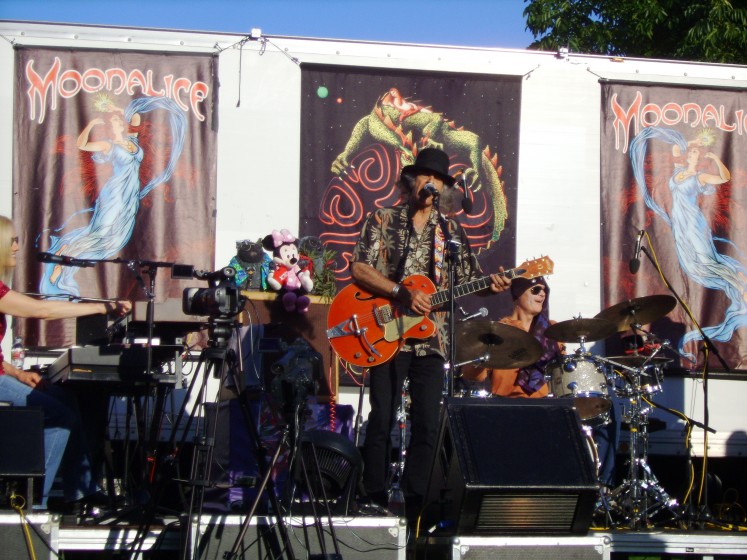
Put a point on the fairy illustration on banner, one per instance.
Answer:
(697, 172)
(113, 139)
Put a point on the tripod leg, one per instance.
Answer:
(267, 485)
(264, 485)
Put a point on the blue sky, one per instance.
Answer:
(480, 23)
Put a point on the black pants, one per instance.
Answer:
(426, 375)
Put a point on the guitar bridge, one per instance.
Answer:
(351, 328)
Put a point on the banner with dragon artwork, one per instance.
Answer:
(360, 126)
(114, 160)
(674, 163)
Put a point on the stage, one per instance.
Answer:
(382, 538)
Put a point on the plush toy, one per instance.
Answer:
(291, 275)
(250, 264)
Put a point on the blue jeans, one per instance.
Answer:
(65, 447)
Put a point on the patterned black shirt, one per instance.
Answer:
(388, 236)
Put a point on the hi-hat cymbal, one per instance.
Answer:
(575, 330)
(638, 311)
(507, 347)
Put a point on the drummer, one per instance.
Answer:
(530, 314)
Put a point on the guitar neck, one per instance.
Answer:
(439, 298)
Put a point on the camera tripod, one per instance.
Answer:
(640, 496)
(225, 363)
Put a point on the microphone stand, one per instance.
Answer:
(453, 259)
(149, 432)
(69, 297)
(704, 515)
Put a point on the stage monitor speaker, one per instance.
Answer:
(510, 466)
(21, 441)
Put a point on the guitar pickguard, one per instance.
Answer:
(396, 329)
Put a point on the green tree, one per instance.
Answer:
(701, 30)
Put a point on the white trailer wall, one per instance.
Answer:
(558, 212)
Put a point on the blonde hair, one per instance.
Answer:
(6, 232)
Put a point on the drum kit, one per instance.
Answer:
(590, 380)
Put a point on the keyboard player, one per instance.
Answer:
(63, 432)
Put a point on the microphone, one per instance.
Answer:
(635, 262)
(467, 200)
(482, 312)
(64, 260)
(430, 189)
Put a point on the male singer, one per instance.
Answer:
(395, 243)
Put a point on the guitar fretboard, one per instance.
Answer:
(439, 298)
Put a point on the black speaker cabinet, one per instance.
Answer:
(21, 441)
(510, 466)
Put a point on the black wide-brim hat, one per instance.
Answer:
(432, 160)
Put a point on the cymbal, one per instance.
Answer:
(507, 347)
(575, 330)
(636, 360)
(641, 311)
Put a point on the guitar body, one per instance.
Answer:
(367, 330)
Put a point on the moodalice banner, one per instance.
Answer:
(360, 126)
(114, 159)
(674, 164)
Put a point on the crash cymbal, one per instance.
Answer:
(508, 347)
(575, 330)
(637, 360)
(638, 311)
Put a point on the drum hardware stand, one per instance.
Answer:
(397, 468)
(688, 505)
(640, 496)
(604, 501)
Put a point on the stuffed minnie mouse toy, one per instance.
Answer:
(291, 274)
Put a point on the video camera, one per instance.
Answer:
(222, 300)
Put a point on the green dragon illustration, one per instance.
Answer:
(394, 122)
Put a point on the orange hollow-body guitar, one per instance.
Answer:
(367, 330)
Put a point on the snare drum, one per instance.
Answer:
(583, 379)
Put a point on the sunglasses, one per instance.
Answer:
(14, 240)
(534, 290)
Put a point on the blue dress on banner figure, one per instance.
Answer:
(693, 238)
(116, 207)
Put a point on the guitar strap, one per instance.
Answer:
(400, 273)
(437, 253)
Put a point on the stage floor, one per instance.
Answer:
(382, 538)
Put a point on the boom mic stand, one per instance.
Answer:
(704, 514)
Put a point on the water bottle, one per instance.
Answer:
(18, 353)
